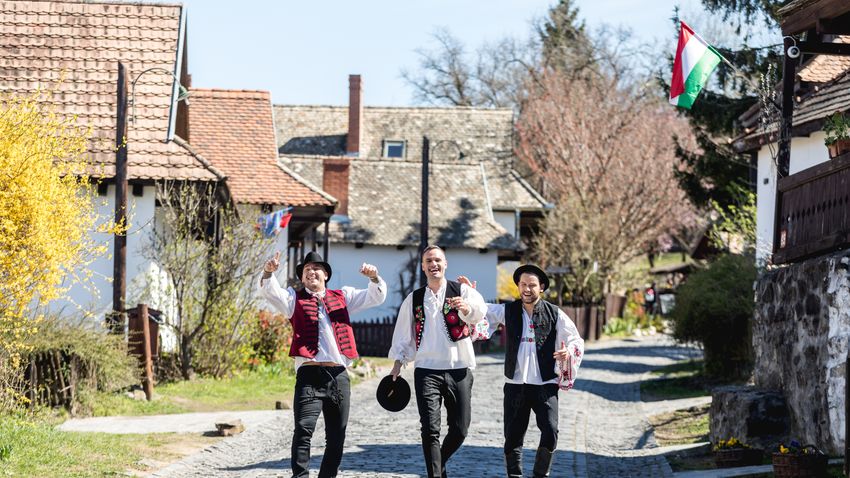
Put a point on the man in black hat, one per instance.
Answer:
(543, 353)
(433, 330)
(323, 346)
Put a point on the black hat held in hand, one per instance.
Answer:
(393, 395)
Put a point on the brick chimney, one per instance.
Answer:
(335, 181)
(355, 115)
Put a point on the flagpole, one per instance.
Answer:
(741, 74)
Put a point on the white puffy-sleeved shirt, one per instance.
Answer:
(436, 350)
(527, 369)
(356, 300)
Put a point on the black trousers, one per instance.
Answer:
(520, 400)
(324, 390)
(432, 388)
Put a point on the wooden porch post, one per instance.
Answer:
(789, 72)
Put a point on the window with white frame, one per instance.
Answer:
(394, 148)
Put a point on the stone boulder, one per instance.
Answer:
(755, 416)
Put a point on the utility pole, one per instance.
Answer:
(423, 223)
(119, 269)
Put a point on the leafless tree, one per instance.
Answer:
(211, 257)
(606, 154)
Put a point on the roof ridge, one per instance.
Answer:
(207, 164)
(306, 183)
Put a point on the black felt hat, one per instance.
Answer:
(315, 258)
(532, 269)
(393, 395)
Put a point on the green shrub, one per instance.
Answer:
(715, 308)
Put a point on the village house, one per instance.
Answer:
(370, 158)
(801, 328)
(72, 48)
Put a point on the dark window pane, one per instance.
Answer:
(395, 150)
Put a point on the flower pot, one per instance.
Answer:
(809, 465)
(839, 147)
(735, 457)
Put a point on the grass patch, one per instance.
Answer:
(37, 449)
(257, 389)
(679, 380)
(681, 427)
(248, 390)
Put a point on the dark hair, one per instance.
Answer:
(431, 248)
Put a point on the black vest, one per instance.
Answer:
(456, 329)
(545, 320)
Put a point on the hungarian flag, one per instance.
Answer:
(695, 60)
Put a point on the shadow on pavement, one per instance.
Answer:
(469, 461)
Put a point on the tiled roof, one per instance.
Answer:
(81, 43)
(384, 206)
(825, 68)
(482, 134)
(810, 109)
(234, 129)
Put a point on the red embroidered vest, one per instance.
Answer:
(305, 324)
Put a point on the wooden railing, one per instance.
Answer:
(814, 207)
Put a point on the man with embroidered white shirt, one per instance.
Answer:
(534, 370)
(433, 330)
(323, 346)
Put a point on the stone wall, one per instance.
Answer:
(800, 338)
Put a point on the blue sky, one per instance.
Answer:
(303, 50)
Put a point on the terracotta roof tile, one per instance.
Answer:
(234, 129)
(80, 43)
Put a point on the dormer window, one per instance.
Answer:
(393, 148)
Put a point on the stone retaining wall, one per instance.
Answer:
(800, 337)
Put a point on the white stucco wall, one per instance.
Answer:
(94, 298)
(506, 219)
(346, 260)
(805, 153)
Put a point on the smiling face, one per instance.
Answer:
(529, 288)
(314, 276)
(434, 264)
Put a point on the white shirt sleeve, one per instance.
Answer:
(404, 343)
(281, 299)
(568, 335)
(476, 304)
(361, 299)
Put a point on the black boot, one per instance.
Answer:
(542, 462)
(513, 463)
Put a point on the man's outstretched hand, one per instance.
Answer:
(272, 264)
(465, 280)
(369, 271)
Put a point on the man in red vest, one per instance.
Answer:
(323, 346)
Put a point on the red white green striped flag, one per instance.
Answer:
(695, 60)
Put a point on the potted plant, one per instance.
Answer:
(733, 453)
(837, 129)
(796, 461)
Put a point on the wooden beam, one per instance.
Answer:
(834, 26)
(842, 49)
(817, 171)
(808, 17)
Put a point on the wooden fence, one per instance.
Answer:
(374, 337)
(814, 211)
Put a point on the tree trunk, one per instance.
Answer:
(186, 368)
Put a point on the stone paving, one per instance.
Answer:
(604, 431)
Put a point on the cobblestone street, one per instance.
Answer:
(604, 431)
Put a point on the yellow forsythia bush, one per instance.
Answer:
(47, 213)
